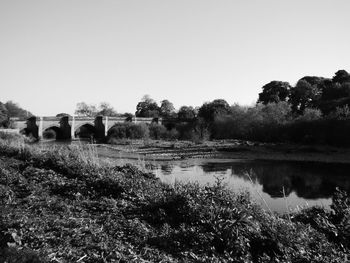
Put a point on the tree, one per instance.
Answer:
(167, 109)
(14, 110)
(209, 110)
(276, 113)
(105, 109)
(84, 109)
(304, 95)
(147, 107)
(274, 91)
(310, 114)
(62, 114)
(186, 113)
(334, 94)
(341, 76)
(4, 117)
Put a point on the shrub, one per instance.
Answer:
(49, 134)
(310, 114)
(128, 131)
(157, 131)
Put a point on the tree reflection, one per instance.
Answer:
(307, 180)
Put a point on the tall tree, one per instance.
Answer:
(147, 107)
(341, 76)
(304, 95)
(14, 110)
(83, 109)
(167, 109)
(186, 113)
(209, 110)
(105, 109)
(4, 117)
(274, 91)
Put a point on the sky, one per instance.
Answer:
(54, 54)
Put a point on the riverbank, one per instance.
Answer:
(59, 207)
(225, 149)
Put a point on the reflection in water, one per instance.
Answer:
(167, 169)
(283, 185)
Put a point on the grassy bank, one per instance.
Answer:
(64, 206)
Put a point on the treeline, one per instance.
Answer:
(11, 109)
(315, 110)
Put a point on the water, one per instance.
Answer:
(278, 186)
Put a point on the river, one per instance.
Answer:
(279, 186)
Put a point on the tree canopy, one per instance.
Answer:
(3, 115)
(186, 113)
(167, 109)
(14, 110)
(89, 110)
(147, 107)
(209, 110)
(274, 91)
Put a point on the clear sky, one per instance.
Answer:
(54, 54)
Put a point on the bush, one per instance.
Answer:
(128, 131)
(157, 131)
(11, 136)
(310, 114)
(49, 134)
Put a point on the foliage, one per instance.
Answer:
(186, 113)
(210, 110)
(167, 109)
(274, 92)
(310, 114)
(157, 131)
(261, 122)
(57, 206)
(83, 109)
(128, 130)
(49, 134)
(4, 118)
(63, 115)
(304, 95)
(104, 109)
(14, 110)
(147, 107)
(341, 76)
(340, 113)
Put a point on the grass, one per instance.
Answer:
(63, 205)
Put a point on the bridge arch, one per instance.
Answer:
(80, 124)
(51, 132)
(85, 130)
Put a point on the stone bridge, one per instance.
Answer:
(67, 127)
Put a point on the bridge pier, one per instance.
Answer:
(106, 125)
(41, 127)
(73, 127)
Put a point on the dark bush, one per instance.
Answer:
(128, 130)
(157, 131)
(49, 134)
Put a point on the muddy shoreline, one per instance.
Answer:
(233, 149)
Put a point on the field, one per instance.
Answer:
(65, 205)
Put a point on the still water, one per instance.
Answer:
(277, 185)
